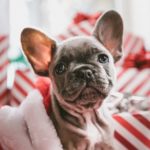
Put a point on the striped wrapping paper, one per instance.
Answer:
(3, 70)
(131, 45)
(132, 132)
(83, 28)
(23, 84)
(132, 80)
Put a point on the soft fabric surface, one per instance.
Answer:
(28, 127)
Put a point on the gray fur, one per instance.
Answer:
(82, 73)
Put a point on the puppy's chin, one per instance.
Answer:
(89, 97)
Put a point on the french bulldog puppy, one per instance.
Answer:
(82, 74)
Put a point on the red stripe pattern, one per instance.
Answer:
(132, 80)
(142, 120)
(126, 144)
(4, 93)
(23, 84)
(132, 133)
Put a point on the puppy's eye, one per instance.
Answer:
(103, 58)
(60, 68)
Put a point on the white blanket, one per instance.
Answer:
(28, 127)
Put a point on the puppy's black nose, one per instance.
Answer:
(85, 74)
(88, 74)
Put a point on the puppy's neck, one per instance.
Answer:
(65, 115)
(80, 130)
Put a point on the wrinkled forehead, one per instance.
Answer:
(78, 46)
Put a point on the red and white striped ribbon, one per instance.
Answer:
(23, 84)
(132, 132)
(3, 69)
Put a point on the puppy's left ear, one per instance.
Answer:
(38, 49)
(109, 31)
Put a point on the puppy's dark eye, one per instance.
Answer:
(60, 68)
(103, 58)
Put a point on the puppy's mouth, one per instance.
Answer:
(89, 96)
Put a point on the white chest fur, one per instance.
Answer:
(94, 135)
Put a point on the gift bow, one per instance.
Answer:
(82, 17)
(139, 60)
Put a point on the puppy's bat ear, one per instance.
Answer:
(109, 31)
(38, 49)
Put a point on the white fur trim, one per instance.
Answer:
(12, 131)
(41, 129)
(28, 127)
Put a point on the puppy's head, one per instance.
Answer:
(81, 68)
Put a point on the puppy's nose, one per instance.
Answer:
(88, 74)
(85, 74)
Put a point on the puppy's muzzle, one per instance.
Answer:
(85, 74)
(86, 85)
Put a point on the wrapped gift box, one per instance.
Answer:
(132, 132)
(23, 84)
(132, 80)
(4, 92)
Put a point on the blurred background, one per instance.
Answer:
(53, 16)
(62, 19)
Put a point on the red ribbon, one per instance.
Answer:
(140, 60)
(43, 85)
(82, 17)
